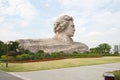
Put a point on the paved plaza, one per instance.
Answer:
(94, 72)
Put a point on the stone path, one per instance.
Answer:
(6, 76)
(94, 72)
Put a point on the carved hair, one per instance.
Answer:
(61, 23)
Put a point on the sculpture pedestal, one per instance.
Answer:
(50, 46)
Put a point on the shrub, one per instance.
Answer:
(116, 52)
(5, 58)
(54, 55)
(84, 55)
(40, 55)
(40, 51)
(47, 55)
(27, 51)
(23, 57)
(58, 55)
(117, 74)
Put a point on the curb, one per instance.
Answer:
(16, 75)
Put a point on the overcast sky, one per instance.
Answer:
(96, 21)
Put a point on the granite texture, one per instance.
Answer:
(64, 29)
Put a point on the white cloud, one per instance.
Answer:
(19, 8)
(7, 33)
(84, 4)
(95, 23)
(107, 18)
(92, 39)
(80, 22)
(95, 34)
(47, 5)
(13, 14)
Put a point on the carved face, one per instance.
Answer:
(69, 31)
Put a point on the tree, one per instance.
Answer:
(101, 48)
(104, 48)
(3, 48)
(13, 45)
(92, 50)
(95, 50)
(10, 46)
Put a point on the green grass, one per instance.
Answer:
(57, 64)
(117, 74)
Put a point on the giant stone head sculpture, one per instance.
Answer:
(62, 41)
(64, 25)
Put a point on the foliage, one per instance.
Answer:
(110, 54)
(116, 52)
(94, 52)
(12, 45)
(5, 58)
(117, 74)
(103, 48)
(27, 51)
(40, 51)
(3, 48)
(23, 57)
(42, 55)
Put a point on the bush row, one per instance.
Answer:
(42, 55)
(117, 74)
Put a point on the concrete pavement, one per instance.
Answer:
(6, 76)
(94, 72)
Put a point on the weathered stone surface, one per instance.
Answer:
(64, 29)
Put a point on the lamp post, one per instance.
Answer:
(7, 62)
(9, 44)
(7, 57)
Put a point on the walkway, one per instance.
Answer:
(6, 76)
(94, 72)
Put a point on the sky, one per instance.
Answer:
(96, 21)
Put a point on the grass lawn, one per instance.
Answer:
(56, 64)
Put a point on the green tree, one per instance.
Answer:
(95, 50)
(12, 45)
(92, 50)
(104, 48)
(101, 48)
(3, 48)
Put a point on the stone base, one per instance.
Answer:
(36, 45)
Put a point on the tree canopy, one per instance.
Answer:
(101, 48)
(10, 46)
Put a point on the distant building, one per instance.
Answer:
(119, 48)
(116, 48)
